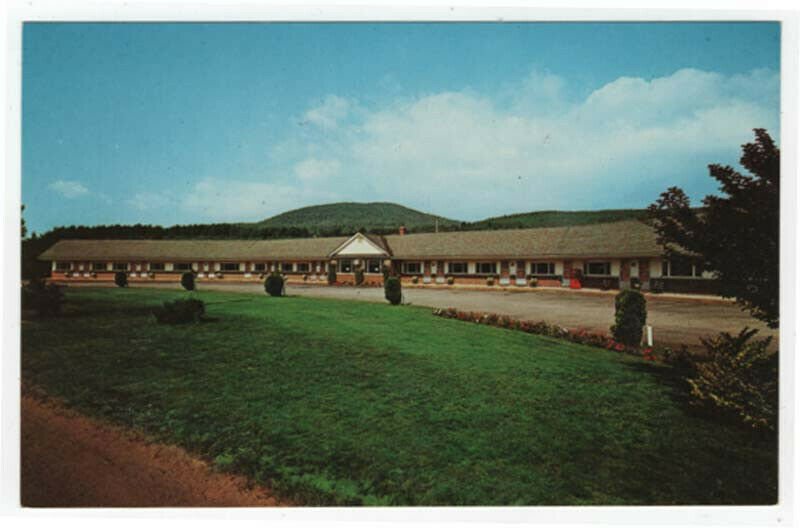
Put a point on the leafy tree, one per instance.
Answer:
(735, 235)
(22, 219)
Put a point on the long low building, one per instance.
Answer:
(611, 255)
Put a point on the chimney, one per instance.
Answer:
(402, 230)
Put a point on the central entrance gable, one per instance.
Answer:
(358, 245)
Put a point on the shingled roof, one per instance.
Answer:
(615, 239)
(234, 250)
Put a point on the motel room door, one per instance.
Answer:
(634, 269)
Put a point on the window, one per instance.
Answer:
(598, 268)
(411, 268)
(98, 266)
(260, 267)
(62, 266)
(346, 266)
(681, 268)
(287, 267)
(230, 266)
(373, 266)
(458, 268)
(303, 267)
(156, 266)
(183, 266)
(120, 266)
(543, 268)
(486, 268)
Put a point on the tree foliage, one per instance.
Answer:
(736, 234)
(740, 378)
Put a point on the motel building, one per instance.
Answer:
(615, 255)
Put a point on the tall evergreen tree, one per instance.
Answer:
(735, 234)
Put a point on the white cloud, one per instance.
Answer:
(224, 200)
(147, 201)
(68, 188)
(328, 114)
(468, 155)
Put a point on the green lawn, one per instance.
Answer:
(341, 402)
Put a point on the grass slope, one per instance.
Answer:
(341, 402)
(353, 215)
(558, 218)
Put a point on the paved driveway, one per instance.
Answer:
(675, 320)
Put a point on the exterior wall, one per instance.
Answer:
(512, 271)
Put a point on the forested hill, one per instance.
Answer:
(557, 219)
(353, 216)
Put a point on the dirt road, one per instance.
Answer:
(69, 460)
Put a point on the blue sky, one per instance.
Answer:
(195, 123)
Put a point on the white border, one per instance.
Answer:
(219, 10)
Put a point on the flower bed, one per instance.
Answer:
(583, 337)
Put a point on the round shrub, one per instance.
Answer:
(393, 290)
(359, 277)
(414, 279)
(332, 274)
(533, 282)
(490, 281)
(273, 285)
(630, 317)
(450, 280)
(187, 281)
(121, 279)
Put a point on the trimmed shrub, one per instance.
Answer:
(740, 378)
(386, 272)
(630, 317)
(414, 279)
(450, 281)
(533, 282)
(180, 311)
(121, 279)
(305, 277)
(42, 298)
(636, 284)
(359, 275)
(331, 274)
(490, 281)
(393, 290)
(273, 285)
(187, 281)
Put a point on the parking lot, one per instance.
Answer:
(675, 319)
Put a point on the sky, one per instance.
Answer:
(196, 123)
